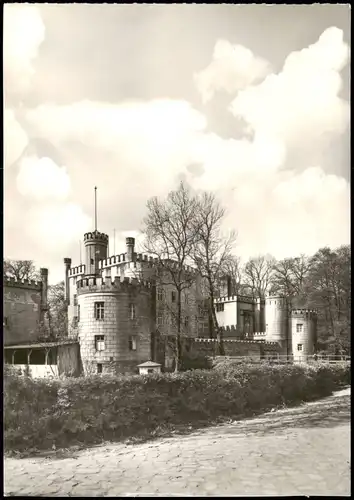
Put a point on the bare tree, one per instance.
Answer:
(169, 236)
(258, 274)
(212, 252)
(233, 271)
(20, 269)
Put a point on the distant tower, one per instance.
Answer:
(130, 243)
(96, 249)
(277, 322)
(304, 333)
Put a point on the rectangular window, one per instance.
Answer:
(159, 320)
(150, 370)
(78, 314)
(159, 294)
(99, 310)
(219, 307)
(132, 311)
(186, 321)
(132, 343)
(299, 328)
(99, 367)
(92, 261)
(299, 347)
(173, 296)
(75, 300)
(99, 342)
(5, 321)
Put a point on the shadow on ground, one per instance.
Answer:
(326, 413)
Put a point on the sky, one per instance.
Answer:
(250, 102)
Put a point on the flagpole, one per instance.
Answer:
(95, 208)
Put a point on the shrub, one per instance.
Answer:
(39, 413)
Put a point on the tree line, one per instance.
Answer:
(186, 229)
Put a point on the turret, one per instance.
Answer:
(44, 289)
(96, 249)
(67, 264)
(304, 333)
(130, 243)
(277, 321)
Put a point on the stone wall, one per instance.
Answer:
(117, 327)
(22, 313)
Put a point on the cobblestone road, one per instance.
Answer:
(298, 451)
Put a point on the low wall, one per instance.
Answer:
(39, 371)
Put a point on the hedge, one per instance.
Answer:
(40, 413)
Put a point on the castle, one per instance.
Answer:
(116, 311)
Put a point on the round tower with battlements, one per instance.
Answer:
(115, 323)
(304, 333)
(277, 321)
(96, 249)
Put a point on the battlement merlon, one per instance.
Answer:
(236, 298)
(95, 236)
(304, 312)
(139, 257)
(205, 340)
(25, 284)
(77, 270)
(102, 285)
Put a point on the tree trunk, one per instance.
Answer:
(178, 336)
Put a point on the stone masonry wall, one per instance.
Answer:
(22, 313)
(116, 327)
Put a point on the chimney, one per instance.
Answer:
(130, 242)
(67, 264)
(44, 294)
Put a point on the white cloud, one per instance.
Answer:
(15, 138)
(137, 149)
(42, 179)
(300, 105)
(233, 67)
(24, 32)
(57, 226)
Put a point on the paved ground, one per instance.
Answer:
(303, 450)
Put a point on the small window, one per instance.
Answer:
(132, 343)
(99, 310)
(5, 323)
(159, 294)
(299, 328)
(75, 300)
(78, 313)
(150, 370)
(99, 367)
(173, 296)
(99, 342)
(160, 320)
(92, 261)
(219, 307)
(299, 347)
(132, 311)
(186, 321)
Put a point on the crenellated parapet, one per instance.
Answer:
(304, 313)
(146, 259)
(96, 236)
(25, 284)
(205, 340)
(75, 271)
(102, 285)
(236, 298)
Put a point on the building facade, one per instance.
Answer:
(25, 309)
(116, 305)
(119, 305)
